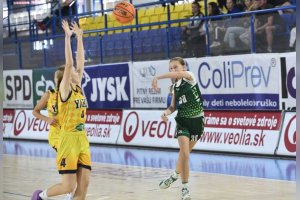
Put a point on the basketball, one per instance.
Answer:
(124, 12)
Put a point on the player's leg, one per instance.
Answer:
(178, 165)
(196, 128)
(53, 139)
(184, 156)
(182, 164)
(84, 168)
(83, 179)
(180, 131)
(66, 186)
(66, 161)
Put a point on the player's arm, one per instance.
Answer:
(172, 75)
(40, 106)
(169, 110)
(64, 87)
(80, 51)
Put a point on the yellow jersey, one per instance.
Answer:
(52, 107)
(72, 112)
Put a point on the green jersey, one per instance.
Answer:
(188, 98)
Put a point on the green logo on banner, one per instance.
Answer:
(43, 80)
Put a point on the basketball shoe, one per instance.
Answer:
(185, 194)
(166, 183)
(36, 196)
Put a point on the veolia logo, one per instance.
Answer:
(290, 134)
(19, 122)
(131, 126)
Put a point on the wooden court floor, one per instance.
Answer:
(22, 175)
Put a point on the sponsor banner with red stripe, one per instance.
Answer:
(287, 145)
(26, 126)
(103, 126)
(145, 128)
(8, 119)
(242, 132)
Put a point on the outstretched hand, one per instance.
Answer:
(154, 84)
(65, 26)
(164, 117)
(78, 32)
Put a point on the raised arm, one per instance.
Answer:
(172, 75)
(80, 51)
(64, 86)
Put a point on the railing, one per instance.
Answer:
(101, 58)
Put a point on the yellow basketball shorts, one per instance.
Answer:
(73, 152)
(53, 137)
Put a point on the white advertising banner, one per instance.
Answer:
(145, 128)
(8, 119)
(18, 89)
(26, 126)
(241, 82)
(288, 81)
(143, 96)
(103, 126)
(241, 132)
(287, 144)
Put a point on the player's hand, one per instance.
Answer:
(154, 84)
(78, 32)
(164, 117)
(66, 28)
(51, 121)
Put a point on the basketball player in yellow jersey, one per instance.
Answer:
(73, 153)
(49, 100)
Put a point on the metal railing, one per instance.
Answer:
(36, 37)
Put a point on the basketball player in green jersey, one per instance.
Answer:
(189, 120)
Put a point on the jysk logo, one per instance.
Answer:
(107, 86)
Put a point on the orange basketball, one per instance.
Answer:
(124, 12)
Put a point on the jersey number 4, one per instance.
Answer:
(63, 162)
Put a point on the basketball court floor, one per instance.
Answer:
(126, 173)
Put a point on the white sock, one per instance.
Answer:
(185, 185)
(175, 174)
(43, 195)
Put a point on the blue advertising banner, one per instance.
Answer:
(107, 86)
